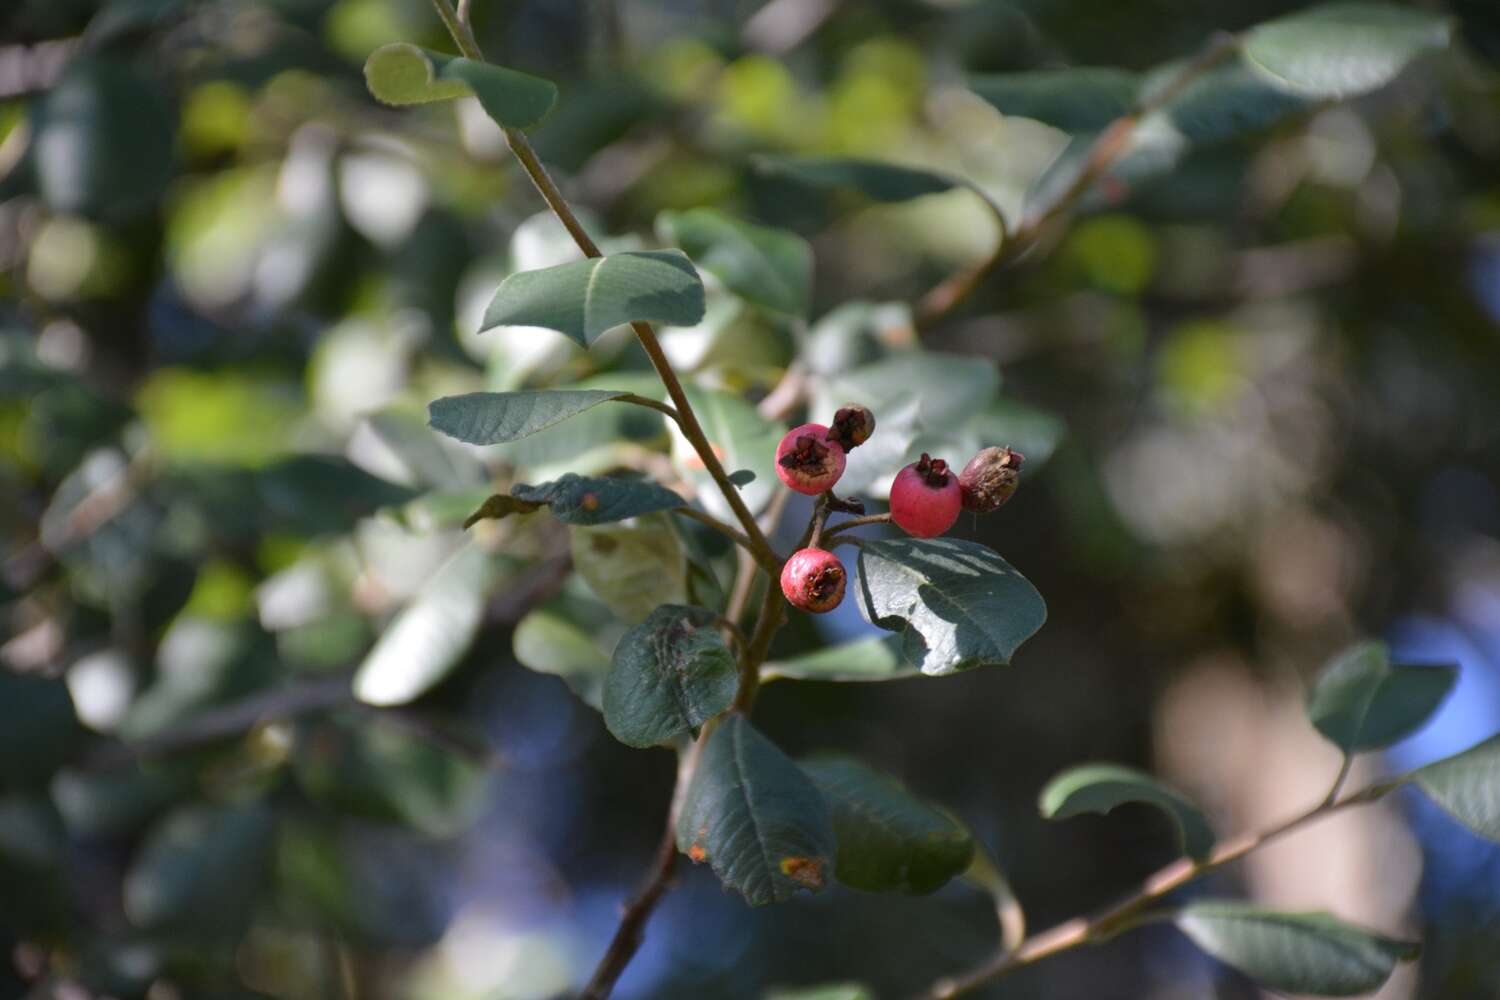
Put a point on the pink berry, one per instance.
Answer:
(925, 498)
(813, 580)
(808, 460)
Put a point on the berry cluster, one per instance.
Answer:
(926, 496)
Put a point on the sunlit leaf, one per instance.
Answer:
(632, 567)
(877, 658)
(1361, 702)
(769, 267)
(947, 387)
(888, 840)
(569, 637)
(1343, 49)
(496, 417)
(1101, 788)
(405, 74)
(956, 604)
(668, 676)
(752, 814)
(586, 297)
(431, 634)
(1309, 953)
(1467, 785)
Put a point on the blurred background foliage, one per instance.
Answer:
(1256, 383)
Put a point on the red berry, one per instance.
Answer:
(925, 498)
(808, 460)
(813, 580)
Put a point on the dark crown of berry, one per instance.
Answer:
(852, 425)
(934, 471)
(810, 453)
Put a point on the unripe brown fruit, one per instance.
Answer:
(852, 425)
(813, 580)
(990, 479)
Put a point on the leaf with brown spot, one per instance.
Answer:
(497, 507)
(761, 823)
(668, 676)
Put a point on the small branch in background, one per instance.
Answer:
(1110, 920)
(631, 930)
(738, 537)
(855, 522)
(654, 404)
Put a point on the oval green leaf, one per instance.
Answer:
(956, 604)
(404, 74)
(668, 676)
(1343, 49)
(1310, 953)
(431, 634)
(1081, 99)
(877, 658)
(769, 267)
(1100, 788)
(1361, 702)
(498, 417)
(1467, 786)
(569, 637)
(632, 567)
(884, 182)
(888, 840)
(583, 298)
(589, 500)
(751, 813)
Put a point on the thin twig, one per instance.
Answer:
(1345, 766)
(855, 522)
(632, 927)
(1112, 919)
(654, 404)
(729, 531)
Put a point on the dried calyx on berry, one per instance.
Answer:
(852, 425)
(990, 479)
(809, 459)
(813, 580)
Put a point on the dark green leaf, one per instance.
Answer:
(668, 676)
(405, 74)
(497, 417)
(887, 182)
(1310, 953)
(877, 658)
(431, 634)
(752, 814)
(584, 298)
(589, 500)
(1100, 788)
(200, 869)
(742, 477)
(1084, 99)
(1467, 785)
(38, 727)
(1361, 702)
(1227, 103)
(769, 267)
(1343, 49)
(888, 841)
(957, 604)
(632, 567)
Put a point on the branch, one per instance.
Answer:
(1108, 148)
(632, 929)
(738, 537)
(855, 522)
(520, 145)
(647, 401)
(1104, 923)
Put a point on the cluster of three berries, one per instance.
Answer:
(926, 496)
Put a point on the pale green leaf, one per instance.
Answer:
(1309, 953)
(1101, 788)
(1343, 49)
(769, 267)
(584, 298)
(403, 74)
(569, 637)
(877, 658)
(632, 567)
(956, 604)
(751, 813)
(1467, 786)
(497, 417)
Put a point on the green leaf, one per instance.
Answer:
(1100, 788)
(742, 478)
(741, 438)
(1343, 49)
(947, 387)
(1311, 953)
(569, 637)
(431, 634)
(769, 267)
(405, 74)
(584, 298)
(38, 727)
(668, 676)
(888, 841)
(498, 417)
(1361, 702)
(752, 814)
(586, 500)
(830, 991)
(632, 567)
(885, 182)
(199, 870)
(421, 456)
(957, 604)
(1082, 99)
(1467, 785)
(877, 658)
(1226, 103)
